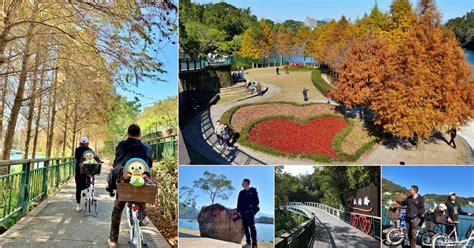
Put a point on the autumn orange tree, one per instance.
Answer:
(283, 42)
(417, 87)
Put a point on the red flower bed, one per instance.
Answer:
(289, 136)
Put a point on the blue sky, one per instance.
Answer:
(433, 179)
(261, 177)
(154, 91)
(280, 10)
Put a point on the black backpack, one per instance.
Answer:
(116, 171)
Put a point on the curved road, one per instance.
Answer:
(332, 232)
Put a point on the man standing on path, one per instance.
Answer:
(454, 210)
(132, 147)
(259, 89)
(415, 210)
(305, 94)
(247, 207)
(453, 134)
(277, 70)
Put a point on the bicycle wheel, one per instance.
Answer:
(138, 234)
(440, 240)
(95, 207)
(427, 237)
(86, 203)
(395, 236)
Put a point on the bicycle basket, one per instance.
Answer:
(90, 169)
(393, 214)
(129, 193)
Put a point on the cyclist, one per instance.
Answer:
(454, 210)
(81, 180)
(132, 147)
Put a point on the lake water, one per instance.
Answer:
(264, 231)
(470, 56)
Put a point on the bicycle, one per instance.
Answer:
(443, 240)
(135, 229)
(399, 233)
(89, 194)
(136, 196)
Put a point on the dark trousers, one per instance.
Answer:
(452, 142)
(413, 226)
(117, 217)
(219, 139)
(81, 184)
(248, 221)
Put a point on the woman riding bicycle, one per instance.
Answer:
(81, 180)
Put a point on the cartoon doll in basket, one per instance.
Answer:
(138, 171)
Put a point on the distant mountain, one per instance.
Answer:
(391, 190)
(264, 220)
(186, 212)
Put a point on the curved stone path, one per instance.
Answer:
(333, 232)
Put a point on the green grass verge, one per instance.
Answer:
(319, 82)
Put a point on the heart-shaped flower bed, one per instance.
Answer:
(291, 137)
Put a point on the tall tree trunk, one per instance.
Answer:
(31, 107)
(74, 129)
(40, 111)
(15, 111)
(66, 118)
(49, 142)
(4, 101)
(281, 60)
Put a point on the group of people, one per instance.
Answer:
(286, 69)
(416, 213)
(238, 77)
(132, 147)
(306, 98)
(255, 87)
(224, 135)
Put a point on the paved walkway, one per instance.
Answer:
(332, 232)
(54, 223)
(468, 133)
(191, 239)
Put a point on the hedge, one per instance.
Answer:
(319, 82)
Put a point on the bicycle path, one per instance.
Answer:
(55, 223)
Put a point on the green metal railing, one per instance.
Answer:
(300, 236)
(366, 223)
(162, 146)
(26, 181)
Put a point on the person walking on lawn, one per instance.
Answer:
(329, 96)
(247, 207)
(453, 134)
(305, 94)
(277, 70)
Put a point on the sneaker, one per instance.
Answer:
(144, 222)
(247, 246)
(112, 244)
(78, 209)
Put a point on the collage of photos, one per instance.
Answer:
(237, 124)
